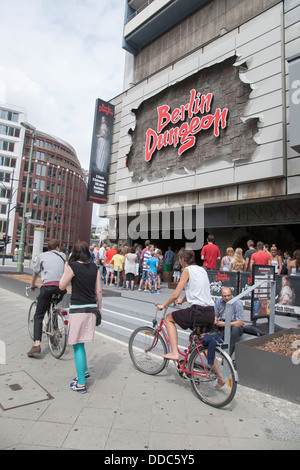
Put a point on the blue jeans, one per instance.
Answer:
(210, 342)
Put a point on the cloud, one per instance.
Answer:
(59, 57)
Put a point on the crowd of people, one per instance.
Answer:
(135, 267)
(130, 266)
(142, 268)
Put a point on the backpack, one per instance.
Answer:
(160, 266)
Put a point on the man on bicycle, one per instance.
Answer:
(50, 266)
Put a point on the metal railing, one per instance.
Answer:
(147, 2)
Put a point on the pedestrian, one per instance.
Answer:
(294, 265)
(130, 263)
(160, 267)
(195, 281)
(225, 261)
(237, 317)
(50, 266)
(92, 254)
(260, 257)
(85, 302)
(102, 268)
(237, 263)
(276, 260)
(109, 267)
(249, 253)
(176, 271)
(168, 259)
(145, 256)
(152, 263)
(210, 253)
(118, 264)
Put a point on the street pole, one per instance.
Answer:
(20, 265)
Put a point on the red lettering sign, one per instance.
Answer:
(183, 136)
(222, 277)
(105, 109)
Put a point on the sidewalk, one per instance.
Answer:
(123, 408)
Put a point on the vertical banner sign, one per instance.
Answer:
(100, 152)
(261, 297)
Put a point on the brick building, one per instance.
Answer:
(57, 194)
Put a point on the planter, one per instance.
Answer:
(266, 371)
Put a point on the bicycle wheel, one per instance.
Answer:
(146, 350)
(204, 382)
(57, 336)
(31, 314)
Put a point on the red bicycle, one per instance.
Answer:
(147, 345)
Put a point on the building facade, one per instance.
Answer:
(11, 147)
(57, 194)
(57, 199)
(204, 122)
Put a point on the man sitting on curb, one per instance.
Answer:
(237, 317)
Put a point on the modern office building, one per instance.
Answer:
(11, 147)
(209, 118)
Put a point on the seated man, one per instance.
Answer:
(237, 317)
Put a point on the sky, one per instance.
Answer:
(58, 57)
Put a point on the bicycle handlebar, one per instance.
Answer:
(29, 287)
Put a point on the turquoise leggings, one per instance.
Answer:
(80, 362)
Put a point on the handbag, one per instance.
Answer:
(93, 310)
(98, 318)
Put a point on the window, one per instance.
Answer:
(5, 177)
(9, 115)
(11, 131)
(7, 161)
(7, 146)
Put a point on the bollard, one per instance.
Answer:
(2, 353)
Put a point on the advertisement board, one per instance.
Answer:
(100, 152)
(261, 297)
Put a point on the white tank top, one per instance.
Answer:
(197, 289)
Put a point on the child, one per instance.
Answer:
(177, 271)
(152, 262)
(118, 262)
(160, 267)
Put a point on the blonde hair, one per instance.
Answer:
(229, 251)
(238, 260)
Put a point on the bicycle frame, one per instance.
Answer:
(181, 364)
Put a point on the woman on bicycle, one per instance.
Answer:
(195, 281)
(86, 300)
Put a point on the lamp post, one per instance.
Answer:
(20, 264)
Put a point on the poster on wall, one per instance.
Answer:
(261, 297)
(287, 295)
(100, 152)
(220, 279)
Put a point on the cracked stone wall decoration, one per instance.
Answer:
(235, 141)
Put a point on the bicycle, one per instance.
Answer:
(54, 325)
(147, 345)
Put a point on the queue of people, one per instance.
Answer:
(261, 253)
(133, 267)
